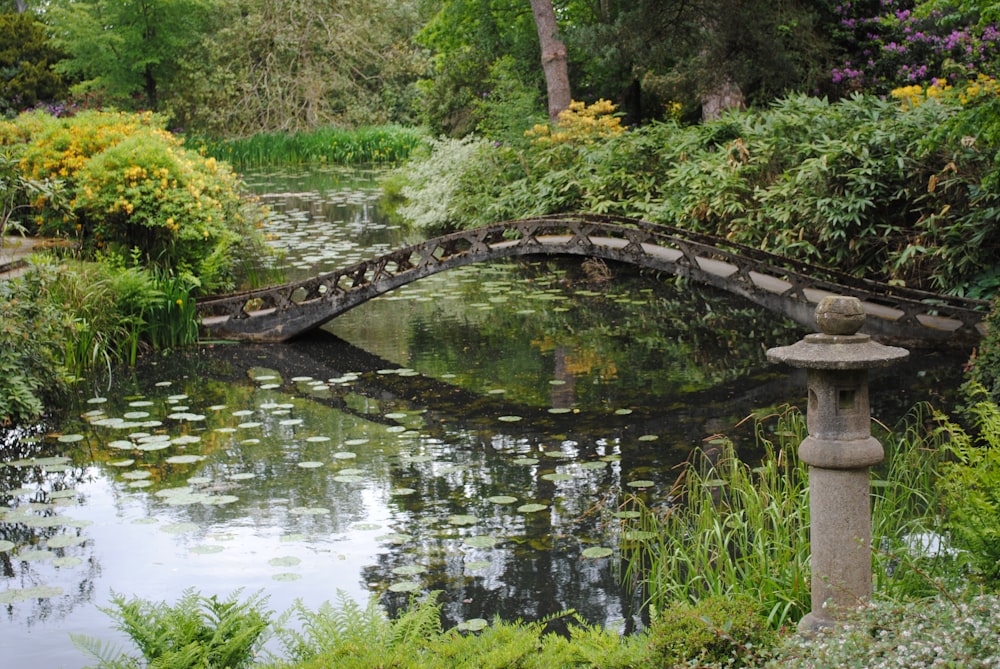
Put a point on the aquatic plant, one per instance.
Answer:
(330, 145)
(738, 529)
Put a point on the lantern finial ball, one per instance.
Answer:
(840, 315)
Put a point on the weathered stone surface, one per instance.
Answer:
(839, 451)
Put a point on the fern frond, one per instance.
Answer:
(109, 656)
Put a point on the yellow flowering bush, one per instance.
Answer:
(135, 187)
(579, 124)
(983, 86)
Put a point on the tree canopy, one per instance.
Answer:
(236, 67)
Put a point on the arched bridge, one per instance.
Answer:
(782, 285)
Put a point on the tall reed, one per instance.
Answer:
(734, 528)
(335, 146)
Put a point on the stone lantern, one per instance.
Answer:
(840, 452)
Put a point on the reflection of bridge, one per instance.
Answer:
(782, 285)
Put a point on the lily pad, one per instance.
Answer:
(510, 419)
(501, 499)
(34, 555)
(345, 455)
(64, 541)
(472, 625)
(409, 570)
(179, 528)
(70, 438)
(463, 519)
(396, 538)
(532, 508)
(642, 483)
(405, 586)
(309, 511)
(480, 541)
(557, 476)
(67, 562)
(6, 546)
(286, 576)
(402, 491)
(477, 565)
(184, 459)
(27, 594)
(122, 463)
(649, 437)
(207, 549)
(597, 552)
(310, 464)
(526, 461)
(285, 561)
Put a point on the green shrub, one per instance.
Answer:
(971, 487)
(713, 630)
(33, 330)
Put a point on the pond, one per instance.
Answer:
(475, 433)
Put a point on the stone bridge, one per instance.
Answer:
(784, 286)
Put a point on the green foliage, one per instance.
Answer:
(197, 632)
(485, 57)
(972, 488)
(712, 630)
(379, 145)
(131, 51)
(62, 320)
(294, 65)
(32, 331)
(434, 185)
(19, 195)
(984, 366)
(863, 185)
(26, 60)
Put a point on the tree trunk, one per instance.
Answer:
(554, 62)
(725, 95)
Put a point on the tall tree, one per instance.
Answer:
(129, 50)
(554, 58)
(289, 65)
(26, 61)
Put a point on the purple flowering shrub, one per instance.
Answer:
(893, 43)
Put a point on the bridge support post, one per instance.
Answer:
(840, 451)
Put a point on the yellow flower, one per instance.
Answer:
(180, 302)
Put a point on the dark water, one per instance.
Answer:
(473, 433)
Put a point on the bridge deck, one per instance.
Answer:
(785, 286)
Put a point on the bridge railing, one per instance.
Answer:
(582, 234)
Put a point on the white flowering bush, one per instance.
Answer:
(941, 632)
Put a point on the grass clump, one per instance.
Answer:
(737, 530)
(376, 145)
